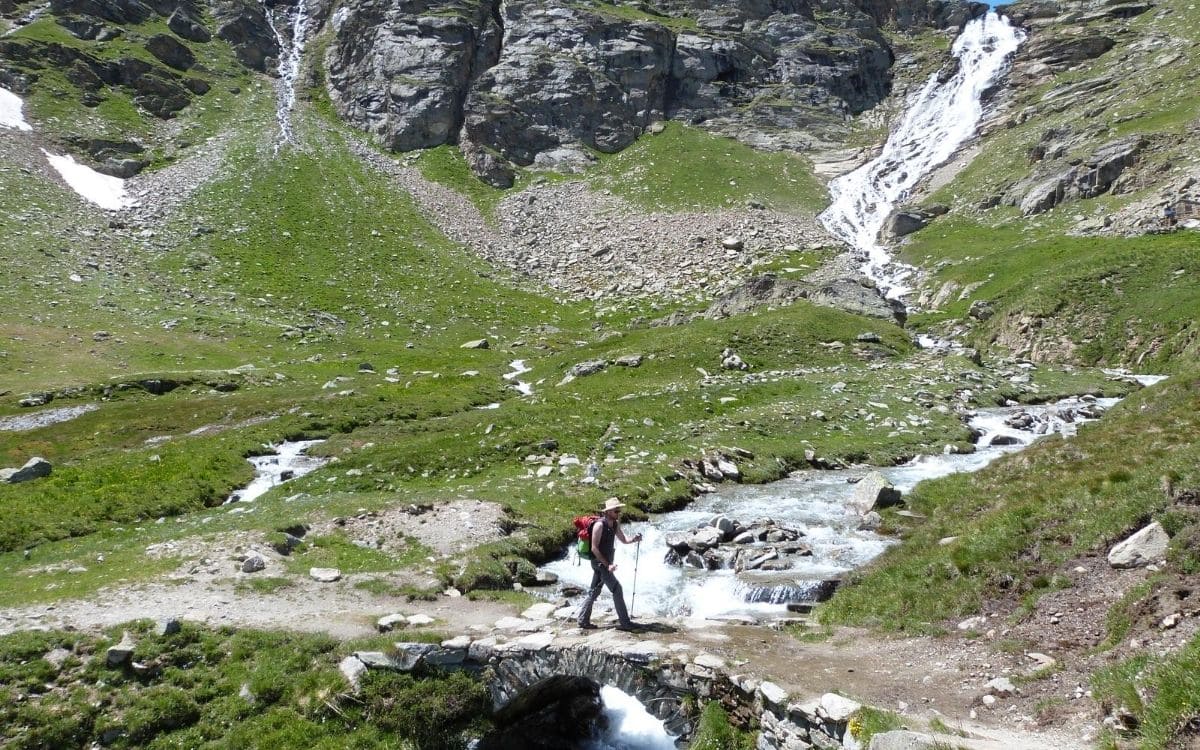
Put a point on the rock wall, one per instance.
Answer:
(521, 83)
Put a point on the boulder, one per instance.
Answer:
(902, 222)
(253, 564)
(705, 538)
(391, 622)
(57, 657)
(122, 652)
(244, 24)
(159, 93)
(854, 296)
(410, 655)
(1146, 546)
(1001, 687)
(475, 344)
(352, 668)
(489, 166)
(837, 708)
(728, 468)
(324, 575)
(34, 468)
(873, 492)
(188, 26)
(170, 51)
(980, 310)
(583, 369)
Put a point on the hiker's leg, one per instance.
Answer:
(585, 611)
(618, 594)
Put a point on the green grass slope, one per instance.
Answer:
(1064, 497)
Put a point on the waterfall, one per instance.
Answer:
(289, 68)
(939, 119)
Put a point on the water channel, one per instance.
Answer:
(812, 501)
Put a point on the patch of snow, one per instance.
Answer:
(10, 111)
(105, 191)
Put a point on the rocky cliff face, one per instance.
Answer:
(1076, 156)
(521, 83)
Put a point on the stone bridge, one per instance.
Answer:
(669, 679)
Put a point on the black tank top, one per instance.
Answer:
(608, 541)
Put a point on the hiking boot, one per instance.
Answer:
(630, 627)
(587, 626)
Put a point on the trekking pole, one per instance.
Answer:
(637, 553)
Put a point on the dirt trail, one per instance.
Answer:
(921, 678)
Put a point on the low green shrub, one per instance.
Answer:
(714, 731)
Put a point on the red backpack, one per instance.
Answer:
(584, 525)
(584, 544)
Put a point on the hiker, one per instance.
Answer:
(605, 531)
(1169, 216)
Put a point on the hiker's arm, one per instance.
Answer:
(622, 537)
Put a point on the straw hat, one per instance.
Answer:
(612, 504)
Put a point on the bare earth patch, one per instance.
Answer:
(448, 529)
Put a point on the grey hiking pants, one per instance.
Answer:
(602, 576)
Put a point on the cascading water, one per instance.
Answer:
(813, 501)
(289, 67)
(630, 725)
(940, 118)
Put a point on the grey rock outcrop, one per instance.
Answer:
(170, 51)
(522, 83)
(188, 26)
(564, 76)
(861, 297)
(244, 24)
(1094, 176)
(34, 468)
(401, 72)
(849, 294)
(116, 11)
(1146, 546)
